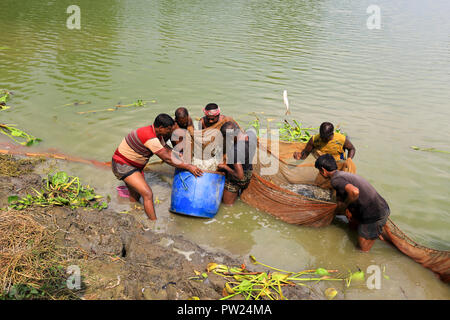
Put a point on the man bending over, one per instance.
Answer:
(135, 151)
(240, 148)
(365, 208)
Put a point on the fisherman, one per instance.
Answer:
(240, 149)
(328, 141)
(183, 126)
(134, 152)
(182, 119)
(212, 116)
(364, 207)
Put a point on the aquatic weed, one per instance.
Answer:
(60, 190)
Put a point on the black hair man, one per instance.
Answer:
(212, 116)
(328, 141)
(134, 152)
(240, 148)
(184, 122)
(364, 207)
(182, 119)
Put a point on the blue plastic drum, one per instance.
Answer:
(197, 196)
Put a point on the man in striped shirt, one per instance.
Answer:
(134, 152)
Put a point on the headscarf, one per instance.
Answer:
(213, 112)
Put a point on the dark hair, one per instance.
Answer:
(326, 129)
(163, 120)
(327, 162)
(181, 112)
(211, 106)
(227, 126)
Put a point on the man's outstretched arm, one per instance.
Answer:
(166, 155)
(305, 152)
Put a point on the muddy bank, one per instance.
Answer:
(119, 256)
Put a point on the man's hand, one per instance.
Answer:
(195, 170)
(223, 166)
(305, 152)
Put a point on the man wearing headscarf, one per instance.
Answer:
(212, 116)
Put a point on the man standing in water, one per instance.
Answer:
(365, 208)
(240, 149)
(328, 141)
(134, 152)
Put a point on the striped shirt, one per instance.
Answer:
(138, 147)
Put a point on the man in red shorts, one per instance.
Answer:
(134, 152)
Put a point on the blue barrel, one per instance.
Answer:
(197, 196)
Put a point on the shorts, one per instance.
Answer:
(371, 231)
(234, 185)
(121, 171)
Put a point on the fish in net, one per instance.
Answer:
(310, 191)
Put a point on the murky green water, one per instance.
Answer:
(389, 89)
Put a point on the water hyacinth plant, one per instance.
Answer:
(429, 149)
(265, 285)
(287, 131)
(294, 133)
(137, 103)
(18, 135)
(4, 97)
(290, 132)
(60, 190)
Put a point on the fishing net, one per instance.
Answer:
(275, 185)
(436, 260)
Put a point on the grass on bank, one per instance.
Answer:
(32, 265)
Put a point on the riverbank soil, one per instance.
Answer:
(118, 255)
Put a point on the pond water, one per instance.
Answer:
(388, 89)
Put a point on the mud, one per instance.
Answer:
(123, 258)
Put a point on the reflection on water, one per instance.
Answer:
(388, 89)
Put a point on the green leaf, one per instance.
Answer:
(16, 133)
(33, 291)
(12, 199)
(4, 98)
(63, 200)
(60, 178)
(278, 276)
(322, 272)
(245, 284)
(358, 276)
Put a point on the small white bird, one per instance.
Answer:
(286, 102)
